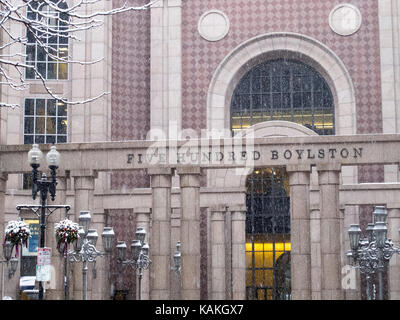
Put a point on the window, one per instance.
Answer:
(45, 121)
(42, 46)
(283, 90)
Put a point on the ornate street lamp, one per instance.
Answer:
(139, 253)
(85, 249)
(44, 186)
(373, 253)
(7, 251)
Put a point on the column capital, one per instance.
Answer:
(161, 179)
(328, 175)
(84, 179)
(188, 170)
(299, 177)
(238, 208)
(84, 173)
(218, 208)
(160, 171)
(62, 173)
(218, 213)
(189, 177)
(328, 167)
(298, 168)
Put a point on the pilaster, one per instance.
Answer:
(190, 231)
(331, 278)
(161, 232)
(218, 253)
(299, 180)
(238, 221)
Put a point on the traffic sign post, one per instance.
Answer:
(43, 266)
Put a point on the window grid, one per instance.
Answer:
(283, 90)
(50, 69)
(267, 233)
(45, 121)
(53, 131)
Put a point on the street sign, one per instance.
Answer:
(43, 266)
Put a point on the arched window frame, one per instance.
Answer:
(283, 89)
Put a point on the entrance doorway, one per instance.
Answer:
(268, 235)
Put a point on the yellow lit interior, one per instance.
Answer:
(263, 258)
(321, 121)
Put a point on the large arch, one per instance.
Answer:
(273, 45)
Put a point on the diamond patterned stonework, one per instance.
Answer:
(130, 96)
(359, 52)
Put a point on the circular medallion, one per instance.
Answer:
(345, 19)
(213, 25)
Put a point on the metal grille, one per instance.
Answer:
(268, 235)
(283, 90)
(276, 90)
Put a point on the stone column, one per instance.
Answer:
(315, 238)
(393, 225)
(190, 231)
(84, 183)
(299, 179)
(160, 251)
(331, 278)
(218, 253)
(55, 288)
(175, 237)
(351, 282)
(143, 220)
(238, 216)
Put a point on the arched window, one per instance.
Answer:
(47, 46)
(275, 90)
(283, 90)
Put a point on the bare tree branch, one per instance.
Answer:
(45, 21)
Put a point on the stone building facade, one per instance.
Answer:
(174, 71)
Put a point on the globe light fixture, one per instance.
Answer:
(139, 253)
(86, 250)
(84, 220)
(372, 254)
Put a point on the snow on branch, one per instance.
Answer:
(50, 27)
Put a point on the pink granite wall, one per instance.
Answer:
(130, 93)
(359, 52)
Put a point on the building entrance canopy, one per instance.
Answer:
(215, 153)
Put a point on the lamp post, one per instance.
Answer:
(44, 186)
(177, 259)
(86, 247)
(140, 256)
(373, 253)
(7, 251)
